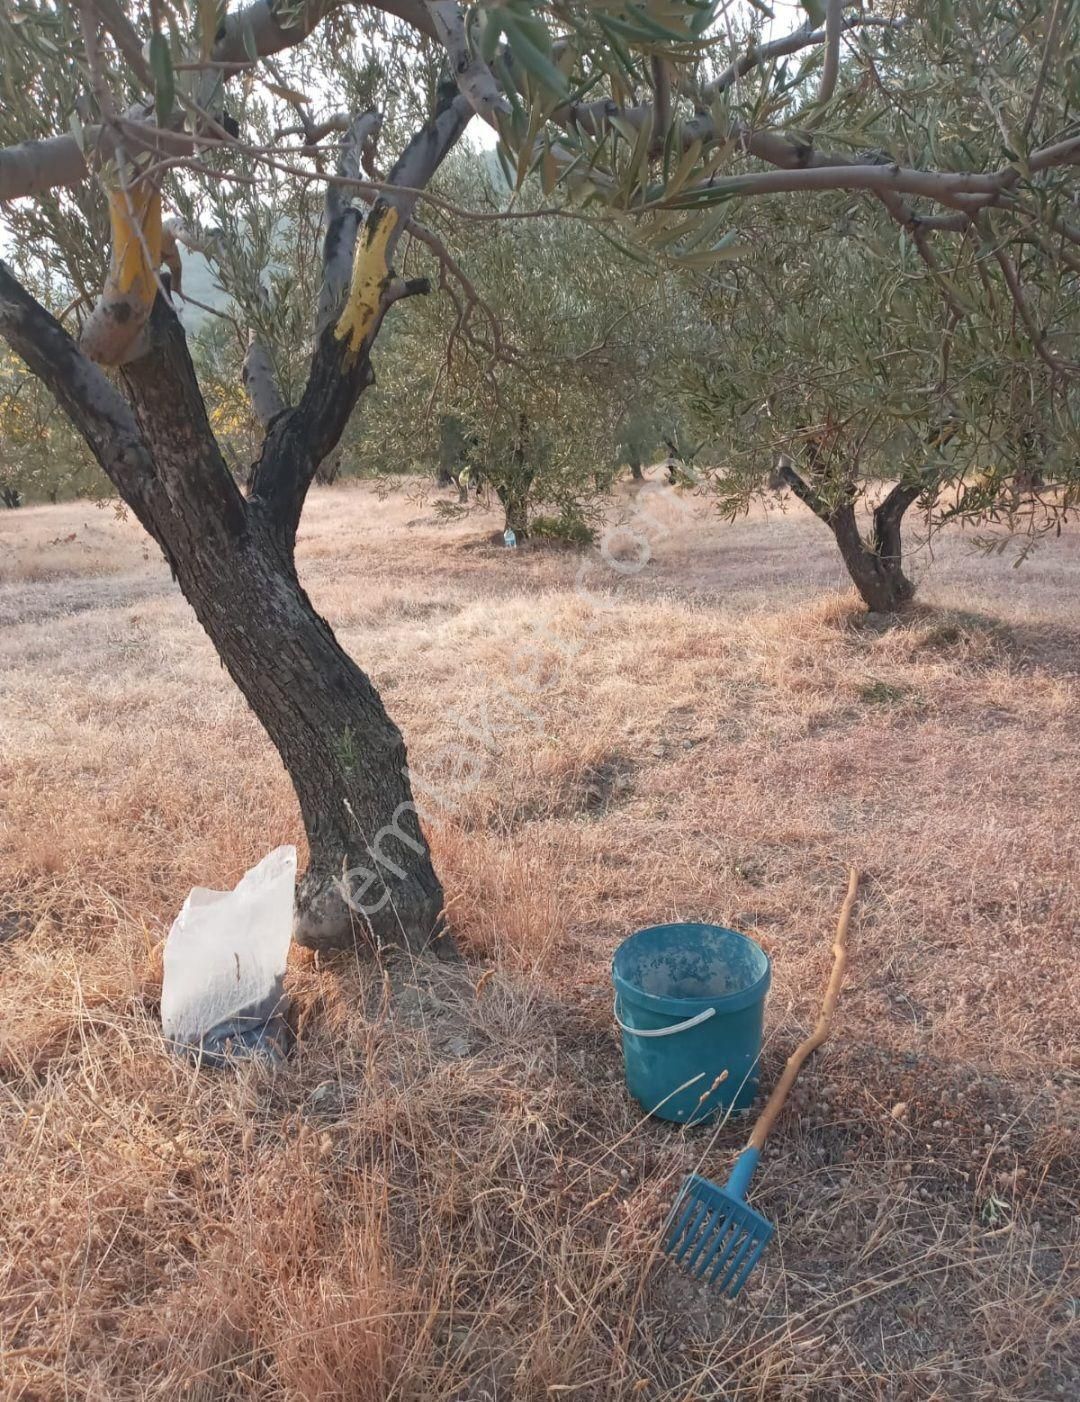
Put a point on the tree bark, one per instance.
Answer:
(513, 490)
(369, 874)
(635, 471)
(329, 470)
(514, 497)
(517, 516)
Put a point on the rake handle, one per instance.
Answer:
(795, 1061)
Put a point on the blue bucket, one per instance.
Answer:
(690, 1001)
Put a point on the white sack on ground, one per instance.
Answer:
(222, 994)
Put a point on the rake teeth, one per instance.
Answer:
(715, 1236)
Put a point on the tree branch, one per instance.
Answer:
(802, 38)
(1066, 230)
(390, 214)
(255, 30)
(448, 264)
(301, 438)
(171, 412)
(313, 132)
(800, 166)
(834, 21)
(785, 470)
(885, 539)
(260, 383)
(661, 79)
(257, 371)
(1027, 316)
(472, 75)
(888, 515)
(943, 186)
(342, 219)
(99, 413)
(910, 221)
(34, 167)
(1044, 67)
(123, 34)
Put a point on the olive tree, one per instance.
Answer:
(868, 395)
(914, 336)
(534, 382)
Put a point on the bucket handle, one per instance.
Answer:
(661, 1031)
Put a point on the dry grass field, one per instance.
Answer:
(446, 1194)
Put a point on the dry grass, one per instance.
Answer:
(446, 1194)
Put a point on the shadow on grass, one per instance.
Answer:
(978, 639)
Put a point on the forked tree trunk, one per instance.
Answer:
(370, 877)
(875, 566)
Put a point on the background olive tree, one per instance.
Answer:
(869, 394)
(529, 379)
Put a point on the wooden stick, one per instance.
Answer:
(795, 1061)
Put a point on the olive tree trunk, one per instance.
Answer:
(875, 564)
(514, 488)
(329, 470)
(514, 497)
(369, 875)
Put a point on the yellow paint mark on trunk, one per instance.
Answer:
(135, 221)
(112, 330)
(371, 269)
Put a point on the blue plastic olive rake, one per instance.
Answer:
(712, 1231)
